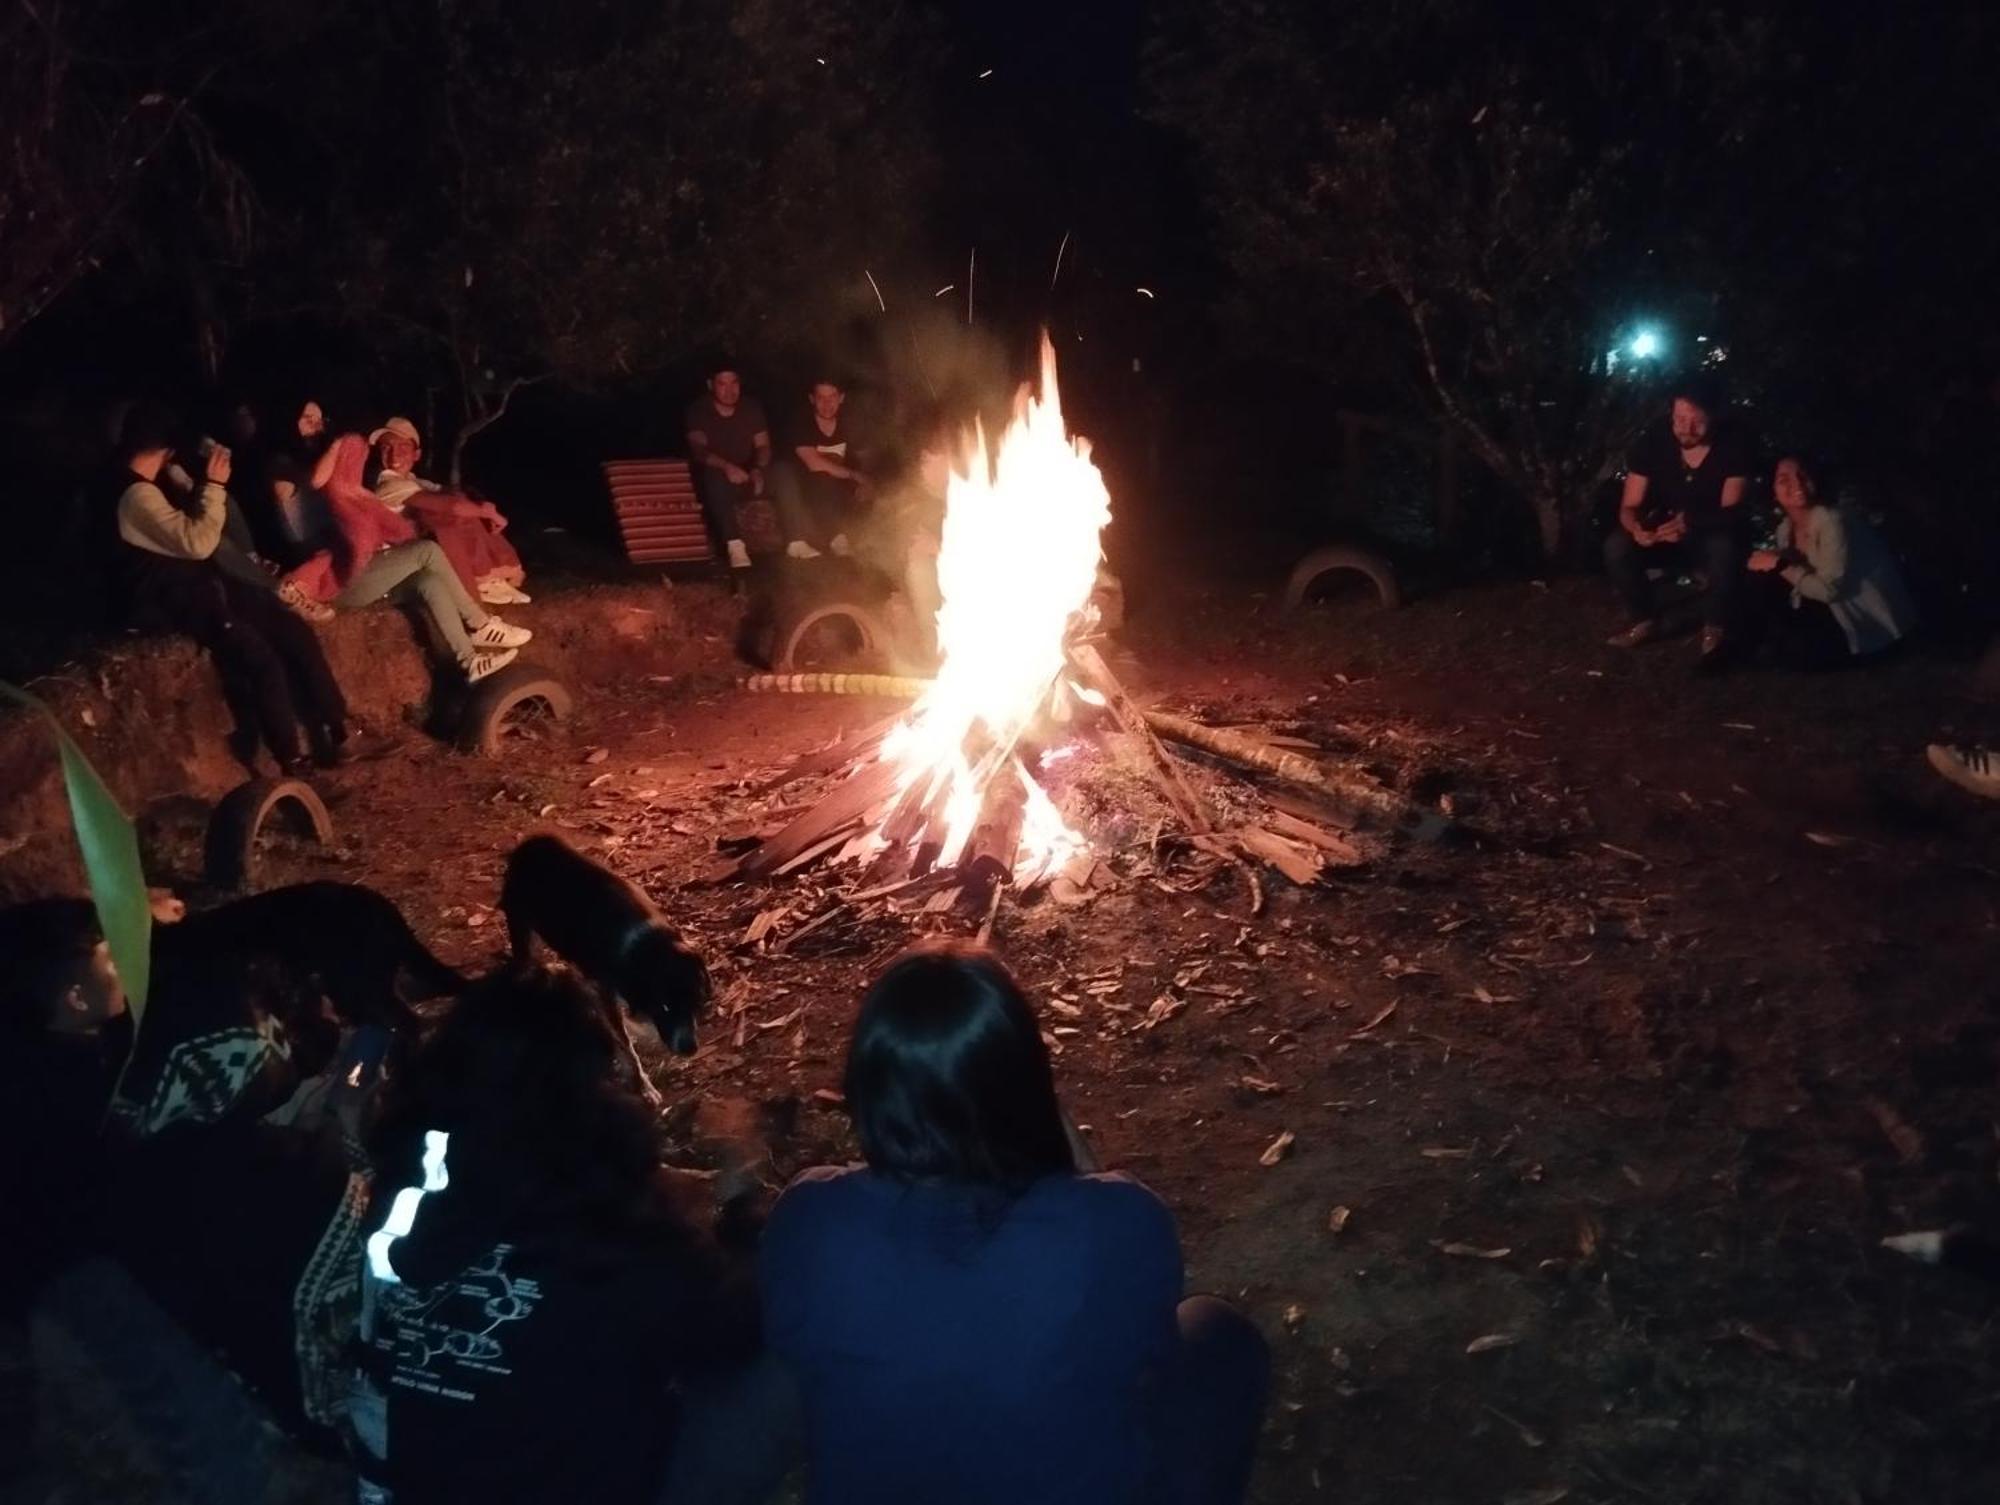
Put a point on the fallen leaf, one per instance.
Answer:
(1294, 1315)
(1440, 1152)
(597, 755)
(1587, 1235)
(1278, 1149)
(1468, 1251)
(1336, 1221)
(1380, 1018)
(1260, 1085)
(1908, 1142)
(1829, 839)
(602, 778)
(1492, 1341)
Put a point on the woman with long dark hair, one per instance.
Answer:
(1835, 593)
(970, 1315)
(534, 1298)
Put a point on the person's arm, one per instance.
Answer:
(1629, 504)
(826, 465)
(147, 520)
(1823, 577)
(760, 442)
(700, 455)
(427, 501)
(1733, 488)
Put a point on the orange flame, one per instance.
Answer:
(1016, 565)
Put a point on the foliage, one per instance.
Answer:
(1478, 202)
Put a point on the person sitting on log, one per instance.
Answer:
(818, 486)
(274, 674)
(1835, 594)
(729, 450)
(468, 529)
(362, 552)
(975, 1283)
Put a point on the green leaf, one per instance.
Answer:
(110, 848)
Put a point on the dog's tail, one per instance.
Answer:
(429, 977)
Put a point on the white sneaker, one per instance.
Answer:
(840, 545)
(498, 634)
(1975, 769)
(304, 605)
(739, 556)
(486, 662)
(502, 593)
(798, 548)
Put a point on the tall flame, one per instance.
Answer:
(1016, 565)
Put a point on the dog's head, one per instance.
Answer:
(668, 985)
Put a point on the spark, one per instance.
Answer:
(987, 74)
(878, 291)
(1144, 292)
(948, 287)
(1059, 256)
(971, 266)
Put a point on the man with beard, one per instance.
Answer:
(1682, 510)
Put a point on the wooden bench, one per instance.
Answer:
(659, 515)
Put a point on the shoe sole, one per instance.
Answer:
(1940, 758)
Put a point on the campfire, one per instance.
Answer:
(954, 794)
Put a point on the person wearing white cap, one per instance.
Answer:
(467, 529)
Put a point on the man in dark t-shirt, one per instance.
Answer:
(729, 449)
(818, 484)
(1682, 509)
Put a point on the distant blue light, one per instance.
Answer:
(1645, 344)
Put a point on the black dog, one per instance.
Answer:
(602, 925)
(350, 941)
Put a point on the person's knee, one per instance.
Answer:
(1223, 1335)
(1619, 548)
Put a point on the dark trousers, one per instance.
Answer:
(1715, 550)
(272, 670)
(812, 506)
(233, 555)
(1208, 1404)
(1800, 635)
(720, 497)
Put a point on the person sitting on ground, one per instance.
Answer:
(1682, 508)
(368, 553)
(535, 1293)
(274, 674)
(1845, 594)
(729, 449)
(819, 487)
(241, 1231)
(973, 1315)
(467, 529)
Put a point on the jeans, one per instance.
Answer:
(272, 668)
(214, 1442)
(812, 506)
(233, 555)
(419, 571)
(719, 498)
(1207, 1407)
(1715, 549)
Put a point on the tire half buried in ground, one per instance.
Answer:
(246, 813)
(1323, 568)
(518, 701)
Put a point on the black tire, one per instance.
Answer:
(242, 816)
(502, 704)
(1312, 569)
(801, 639)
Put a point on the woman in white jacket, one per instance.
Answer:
(1847, 596)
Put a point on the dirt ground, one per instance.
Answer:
(1597, 1116)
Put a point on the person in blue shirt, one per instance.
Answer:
(973, 1315)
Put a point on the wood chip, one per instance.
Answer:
(1469, 1251)
(1336, 1221)
(1908, 1142)
(1262, 1086)
(1278, 1149)
(1492, 1341)
(1441, 1152)
(597, 755)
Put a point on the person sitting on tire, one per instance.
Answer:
(820, 490)
(1834, 594)
(1682, 508)
(274, 674)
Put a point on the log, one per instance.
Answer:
(1187, 804)
(1338, 848)
(841, 752)
(832, 815)
(989, 853)
(1251, 752)
(1300, 864)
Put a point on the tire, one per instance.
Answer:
(501, 701)
(241, 817)
(797, 643)
(1320, 563)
